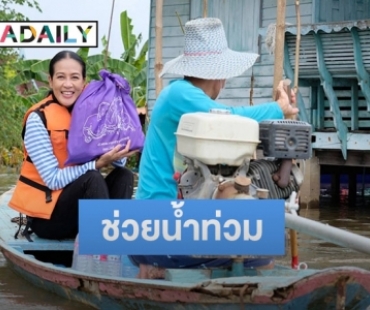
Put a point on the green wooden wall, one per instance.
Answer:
(245, 23)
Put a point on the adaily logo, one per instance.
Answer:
(48, 34)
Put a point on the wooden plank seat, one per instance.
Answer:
(38, 244)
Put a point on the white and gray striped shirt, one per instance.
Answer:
(40, 150)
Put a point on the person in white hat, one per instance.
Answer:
(205, 65)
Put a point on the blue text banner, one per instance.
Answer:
(182, 227)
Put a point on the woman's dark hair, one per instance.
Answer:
(63, 55)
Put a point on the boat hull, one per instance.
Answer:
(336, 288)
(279, 288)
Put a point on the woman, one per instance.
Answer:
(48, 191)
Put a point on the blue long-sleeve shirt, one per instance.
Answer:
(38, 145)
(156, 164)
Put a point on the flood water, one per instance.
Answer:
(16, 293)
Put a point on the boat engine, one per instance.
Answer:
(220, 149)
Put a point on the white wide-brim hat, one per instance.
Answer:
(206, 53)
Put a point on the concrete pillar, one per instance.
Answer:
(335, 186)
(352, 187)
(310, 189)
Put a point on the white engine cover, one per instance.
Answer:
(217, 138)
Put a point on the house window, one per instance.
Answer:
(240, 19)
(341, 10)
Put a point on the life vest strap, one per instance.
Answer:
(27, 231)
(20, 226)
(40, 187)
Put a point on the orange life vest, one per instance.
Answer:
(31, 196)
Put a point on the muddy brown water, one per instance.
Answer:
(16, 293)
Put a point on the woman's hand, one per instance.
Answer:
(114, 155)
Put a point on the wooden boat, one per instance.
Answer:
(46, 264)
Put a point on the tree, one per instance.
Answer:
(131, 65)
(138, 77)
(11, 112)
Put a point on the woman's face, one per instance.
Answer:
(67, 82)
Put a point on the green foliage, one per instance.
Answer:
(11, 111)
(11, 157)
(8, 12)
(138, 77)
(132, 65)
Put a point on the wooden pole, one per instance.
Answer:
(251, 103)
(205, 8)
(251, 89)
(293, 233)
(294, 248)
(279, 44)
(109, 33)
(158, 46)
(278, 76)
(297, 46)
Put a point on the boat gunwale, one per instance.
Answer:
(220, 290)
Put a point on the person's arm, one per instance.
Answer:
(260, 112)
(193, 99)
(38, 145)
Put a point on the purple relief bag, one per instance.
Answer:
(103, 116)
